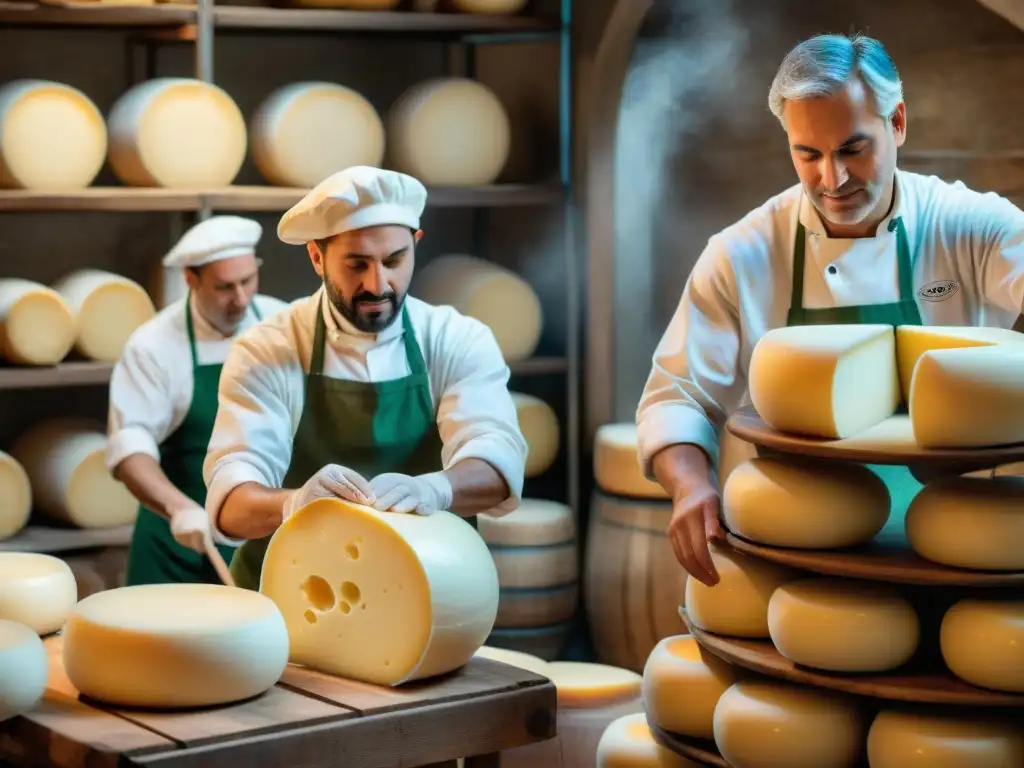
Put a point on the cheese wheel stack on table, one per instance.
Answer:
(633, 584)
(534, 548)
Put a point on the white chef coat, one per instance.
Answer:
(151, 386)
(263, 387)
(968, 252)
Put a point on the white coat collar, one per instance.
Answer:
(206, 331)
(811, 219)
(341, 332)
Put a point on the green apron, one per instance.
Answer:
(902, 485)
(154, 556)
(370, 427)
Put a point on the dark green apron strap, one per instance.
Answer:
(906, 268)
(413, 353)
(190, 330)
(316, 361)
(796, 301)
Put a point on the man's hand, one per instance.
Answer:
(694, 523)
(190, 527)
(422, 494)
(333, 480)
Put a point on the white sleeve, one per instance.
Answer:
(997, 229)
(141, 405)
(252, 435)
(695, 378)
(476, 416)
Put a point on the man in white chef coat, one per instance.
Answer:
(361, 391)
(163, 398)
(855, 241)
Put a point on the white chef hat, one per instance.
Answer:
(219, 237)
(355, 198)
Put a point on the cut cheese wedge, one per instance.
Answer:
(36, 590)
(526, 661)
(843, 625)
(381, 597)
(829, 381)
(539, 425)
(968, 522)
(36, 325)
(929, 739)
(617, 466)
(175, 645)
(982, 642)
(304, 132)
(785, 502)
(52, 136)
(24, 669)
(65, 460)
(15, 496)
(178, 133)
(627, 743)
(109, 308)
(682, 684)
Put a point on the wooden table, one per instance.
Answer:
(308, 719)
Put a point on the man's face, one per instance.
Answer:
(224, 289)
(367, 273)
(845, 156)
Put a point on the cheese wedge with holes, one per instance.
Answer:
(52, 136)
(827, 381)
(174, 645)
(933, 739)
(538, 423)
(178, 133)
(24, 669)
(304, 132)
(36, 325)
(108, 308)
(617, 466)
(36, 590)
(381, 597)
(627, 743)
(982, 643)
(15, 496)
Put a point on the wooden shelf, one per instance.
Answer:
(71, 374)
(50, 539)
(101, 199)
(91, 15)
(538, 366)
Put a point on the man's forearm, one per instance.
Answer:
(476, 487)
(142, 475)
(680, 468)
(252, 511)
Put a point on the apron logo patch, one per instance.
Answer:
(940, 290)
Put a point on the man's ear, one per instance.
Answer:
(316, 256)
(418, 235)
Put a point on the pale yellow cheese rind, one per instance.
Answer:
(617, 466)
(490, 6)
(36, 590)
(538, 423)
(585, 685)
(526, 661)
(982, 641)
(933, 739)
(535, 522)
(627, 743)
(24, 669)
(15, 496)
(36, 325)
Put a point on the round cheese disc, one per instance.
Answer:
(490, 6)
(36, 590)
(760, 723)
(539, 424)
(843, 625)
(15, 496)
(903, 739)
(175, 645)
(784, 502)
(627, 743)
(737, 606)
(617, 467)
(535, 522)
(24, 669)
(682, 684)
(526, 661)
(969, 522)
(982, 643)
(36, 325)
(585, 685)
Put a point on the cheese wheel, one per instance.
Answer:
(526, 661)
(912, 341)
(52, 136)
(490, 293)
(968, 398)
(584, 684)
(380, 597)
(540, 428)
(534, 567)
(900, 739)
(109, 308)
(24, 669)
(175, 645)
(682, 685)
(982, 642)
(449, 132)
(969, 522)
(178, 133)
(760, 723)
(627, 743)
(535, 522)
(304, 132)
(617, 466)
(36, 590)
(36, 325)
(15, 496)
(737, 606)
(786, 502)
(499, 7)
(825, 380)
(352, 5)
(65, 460)
(731, 453)
(843, 625)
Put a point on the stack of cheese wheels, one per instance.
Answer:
(490, 293)
(633, 584)
(15, 496)
(65, 463)
(535, 551)
(52, 136)
(36, 590)
(539, 425)
(304, 132)
(37, 327)
(24, 669)
(177, 133)
(449, 132)
(378, 597)
(108, 308)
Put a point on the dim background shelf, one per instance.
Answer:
(49, 539)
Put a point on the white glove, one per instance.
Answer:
(190, 527)
(332, 480)
(422, 494)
